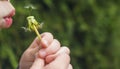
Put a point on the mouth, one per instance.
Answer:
(8, 19)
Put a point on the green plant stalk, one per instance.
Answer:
(36, 31)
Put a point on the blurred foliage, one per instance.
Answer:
(90, 28)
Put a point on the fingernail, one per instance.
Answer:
(42, 53)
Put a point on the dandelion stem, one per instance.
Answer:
(36, 31)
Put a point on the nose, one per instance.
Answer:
(11, 6)
(5, 8)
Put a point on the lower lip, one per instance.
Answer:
(8, 21)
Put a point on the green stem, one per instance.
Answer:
(36, 31)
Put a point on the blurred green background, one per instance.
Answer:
(90, 28)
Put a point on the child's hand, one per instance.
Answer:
(48, 45)
(59, 60)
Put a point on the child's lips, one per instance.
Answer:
(8, 19)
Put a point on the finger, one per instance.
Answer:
(52, 48)
(61, 62)
(50, 58)
(64, 49)
(70, 66)
(38, 64)
(47, 38)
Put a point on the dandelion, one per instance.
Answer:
(33, 25)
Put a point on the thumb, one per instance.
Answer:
(38, 64)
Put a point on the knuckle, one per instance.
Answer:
(47, 34)
(57, 42)
(66, 49)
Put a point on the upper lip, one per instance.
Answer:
(12, 13)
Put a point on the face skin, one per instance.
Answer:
(6, 13)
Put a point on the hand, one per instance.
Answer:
(59, 60)
(47, 46)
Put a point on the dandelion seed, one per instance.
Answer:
(30, 6)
